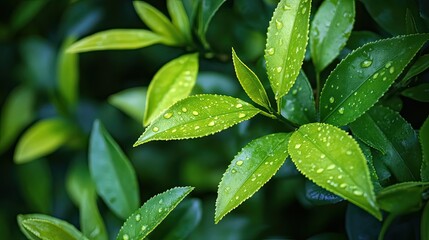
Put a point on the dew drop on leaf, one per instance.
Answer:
(211, 124)
(125, 237)
(391, 70)
(286, 7)
(279, 69)
(330, 167)
(297, 146)
(239, 163)
(271, 51)
(155, 129)
(241, 115)
(357, 192)
(184, 109)
(388, 65)
(331, 99)
(195, 113)
(343, 185)
(341, 110)
(239, 105)
(168, 115)
(279, 24)
(144, 227)
(138, 217)
(366, 63)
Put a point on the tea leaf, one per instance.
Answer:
(68, 76)
(421, 64)
(39, 226)
(116, 39)
(298, 104)
(402, 197)
(42, 138)
(159, 23)
(207, 9)
(198, 116)
(317, 195)
(330, 29)
(364, 76)
(91, 221)
(286, 44)
(388, 131)
(152, 213)
(250, 82)
(250, 169)
(333, 160)
(131, 101)
(419, 93)
(78, 181)
(173, 82)
(180, 18)
(114, 176)
(424, 141)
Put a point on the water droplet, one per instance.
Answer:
(279, 24)
(184, 109)
(366, 63)
(294, 92)
(322, 156)
(304, 10)
(211, 124)
(279, 69)
(340, 176)
(138, 217)
(330, 167)
(341, 110)
(125, 237)
(388, 64)
(239, 163)
(160, 210)
(348, 152)
(384, 78)
(320, 170)
(144, 227)
(343, 185)
(160, 201)
(271, 51)
(233, 171)
(375, 76)
(241, 115)
(286, 7)
(155, 129)
(297, 146)
(239, 105)
(174, 130)
(195, 113)
(331, 99)
(358, 192)
(391, 70)
(197, 127)
(168, 115)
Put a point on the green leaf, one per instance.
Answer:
(198, 116)
(43, 227)
(403, 197)
(173, 82)
(333, 160)
(419, 93)
(250, 82)
(78, 181)
(159, 23)
(396, 139)
(68, 79)
(298, 104)
(25, 12)
(131, 101)
(207, 9)
(150, 215)
(114, 176)
(116, 39)
(424, 230)
(318, 196)
(250, 169)
(364, 76)
(43, 138)
(421, 64)
(17, 112)
(424, 141)
(286, 44)
(330, 29)
(180, 18)
(90, 219)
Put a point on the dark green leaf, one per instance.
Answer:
(364, 76)
(78, 181)
(286, 44)
(424, 141)
(421, 64)
(208, 8)
(180, 18)
(388, 132)
(90, 219)
(116, 39)
(360, 224)
(131, 101)
(198, 116)
(42, 138)
(25, 12)
(410, 23)
(146, 218)
(68, 79)
(318, 195)
(250, 82)
(419, 93)
(250, 169)
(402, 197)
(112, 173)
(333, 160)
(424, 230)
(298, 104)
(173, 82)
(330, 29)
(43, 227)
(17, 113)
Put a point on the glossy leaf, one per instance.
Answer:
(424, 230)
(159, 23)
(198, 116)
(364, 76)
(131, 101)
(421, 64)
(298, 104)
(387, 131)
(146, 218)
(91, 222)
(17, 112)
(318, 195)
(250, 82)
(179, 18)
(68, 76)
(207, 9)
(42, 138)
(424, 141)
(43, 227)
(330, 29)
(173, 82)
(419, 93)
(286, 44)
(116, 39)
(402, 197)
(333, 160)
(250, 169)
(78, 181)
(114, 176)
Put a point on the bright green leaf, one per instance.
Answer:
(116, 39)
(333, 160)
(421, 64)
(91, 221)
(198, 116)
(424, 141)
(207, 9)
(68, 79)
(150, 215)
(424, 230)
(286, 44)
(396, 139)
(159, 23)
(250, 169)
(114, 176)
(402, 197)
(43, 227)
(173, 82)
(419, 93)
(17, 112)
(131, 101)
(42, 138)
(179, 18)
(250, 82)
(364, 76)
(330, 29)
(298, 104)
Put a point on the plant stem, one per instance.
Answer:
(290, 125)
(316, 97)
(386, 225)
